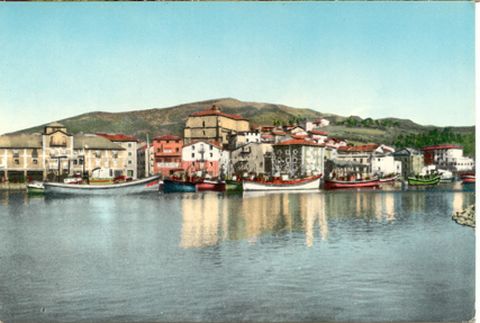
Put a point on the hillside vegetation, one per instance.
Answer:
(392, 131)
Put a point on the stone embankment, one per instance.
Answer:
(466, 216)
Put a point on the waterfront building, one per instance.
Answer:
(251, 159)
(167, 153)
(279, 135)
(213, 125)
(385, 164)
(298, 158)
(241, 138)
(411, 160)
(202, 158)
(448, 157)
(363, 156)
(130, 144)
(55, 153)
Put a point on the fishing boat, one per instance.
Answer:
(331, 184)
(35, 187)
(134, 187)
(308, 183)
(423, 180)
(178, 186)
(468, 179)
(208, 185)
(389, 179)
(233, 186)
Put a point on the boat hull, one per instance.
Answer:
(413, 181)
(170, 186)
(388, 179)
(233, 186)
(265, 186)
(150, 184)
(468, 179)
(217, 187)
(334, 184)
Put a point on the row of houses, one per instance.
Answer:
(215, 144)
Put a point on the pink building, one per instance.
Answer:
(167, 154)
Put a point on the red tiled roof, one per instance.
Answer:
(299, 136)
(117, 137)
(301, 142)
(318, 132)
(267, 136)
(446, 146)
(278, 132)
(214, 111)
(361, 148)
(167, 137)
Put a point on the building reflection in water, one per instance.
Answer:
(210, 218)
(200, 223)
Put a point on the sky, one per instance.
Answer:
(372, 59)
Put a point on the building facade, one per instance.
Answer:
(447, 157)
(297, 158)
(412, 161)
(202, 159)
(167, 154)
(251, 159)
(213, 125)
(130, 144)
(55, 153)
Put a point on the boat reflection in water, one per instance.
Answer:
(211, 218)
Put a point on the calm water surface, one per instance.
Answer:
(323, 256)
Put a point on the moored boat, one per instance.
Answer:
(207, 185)
(233, 186)
(389, 179)
(35, 188)
(468, 179)
(423, 180)
(134, 187)
(178, 186)
(308, 183)
(339, 184)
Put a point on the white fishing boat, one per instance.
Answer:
(134, 187)
(309, 183)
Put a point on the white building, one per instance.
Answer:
(448, 157)
(130, 144)
(385, 165)
(202, 158)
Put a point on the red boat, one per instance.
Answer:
(207, 185)
(331, 184)
(466, 179)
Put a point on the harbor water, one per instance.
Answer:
(366, 255)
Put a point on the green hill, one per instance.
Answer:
(171, 120)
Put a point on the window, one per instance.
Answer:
(129, 162)
(17, 162)
(129, 153)
(203, 132)
(211, 154)
(34, 153)
(16, 154)
(168, 141)
(203, 124)
(129, 145)
(176, 150)
(98, 154)
(193, 155)
(75, 162)
(211, 147)
(80, 161)
(193, 147)
(35, 162)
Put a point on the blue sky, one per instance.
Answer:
(399, 59)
